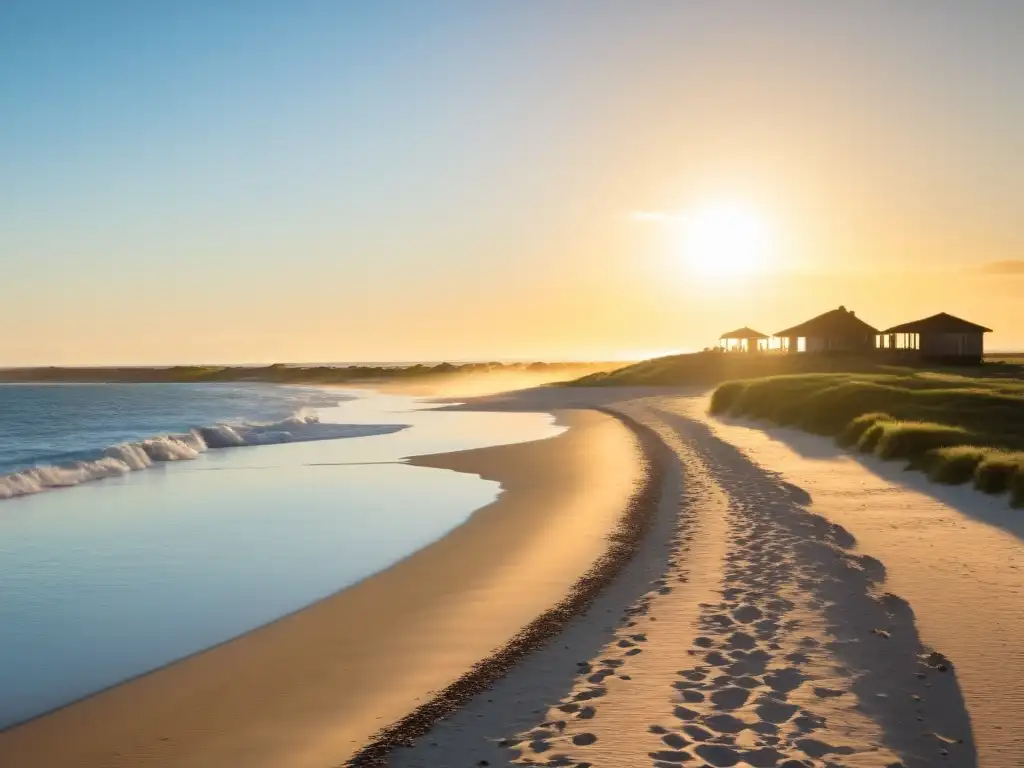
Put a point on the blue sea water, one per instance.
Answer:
(129, 571)
(52, 423)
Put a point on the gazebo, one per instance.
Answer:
(743, 340)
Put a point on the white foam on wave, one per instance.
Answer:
(129, 457)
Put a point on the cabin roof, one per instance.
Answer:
(940, 323)
(836, 323)
(744, 333)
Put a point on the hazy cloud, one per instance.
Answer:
(1007, 267)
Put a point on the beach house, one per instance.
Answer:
(940, 338)
(838, 330)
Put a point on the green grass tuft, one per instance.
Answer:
(996, 471)
(911, 439)
(869, 440)
(858, 425)
(953, 465)
(725, 396)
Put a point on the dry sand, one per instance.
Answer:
(750, 630)
(956, 555)
(311, 688)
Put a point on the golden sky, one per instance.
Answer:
(403, 181)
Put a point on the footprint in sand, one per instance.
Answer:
(827, 693)
(747, 682)
(724, 723)
(785, 680)
(808, 722)
(684, 713)
(816, 749)
(730, 698)
(742, 641)
(776, 711)
(718, 755)
(675, 741)
(584, 739)
(697, 733)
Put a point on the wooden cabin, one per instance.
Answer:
(940, 338)
(743, 340)
(838, 330)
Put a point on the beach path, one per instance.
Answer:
(751, 629)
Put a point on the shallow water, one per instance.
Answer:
(115, 577)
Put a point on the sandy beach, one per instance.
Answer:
(777, 609)
(310, 689)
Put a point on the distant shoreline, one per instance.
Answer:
(282, 373)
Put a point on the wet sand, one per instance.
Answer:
(312, 688)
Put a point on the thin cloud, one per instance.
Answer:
(1006, 267)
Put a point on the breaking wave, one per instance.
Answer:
(129, 457)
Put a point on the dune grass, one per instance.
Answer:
(911, 440)
(858, 425)
(954, 428)
(953, 465)
(996, 471)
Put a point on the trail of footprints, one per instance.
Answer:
(755, 688)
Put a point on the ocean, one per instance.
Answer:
(143, 523)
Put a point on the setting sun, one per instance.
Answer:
(724, 239)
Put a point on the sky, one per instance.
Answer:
(217, 181)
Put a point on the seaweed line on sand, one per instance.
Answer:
(623, 543)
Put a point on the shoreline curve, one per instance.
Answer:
(623, 543)
(310, 688)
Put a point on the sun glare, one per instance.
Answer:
(723, 239)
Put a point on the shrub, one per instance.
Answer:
(996, 470)
(723, 398)
(953, 465)
(830, 410)
(871, 436)
(853, 430)
(911, 439)
(953, 427)
(762, 398)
